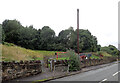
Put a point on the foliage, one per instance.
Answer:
(11, 28)
(45, 38)
(111, 50)
(2, 34)
(98, 47)
(94, 57)
(87, 42)
(9, 44)
(74, 63)
(63, 58)
(27, 37)
(67, 37)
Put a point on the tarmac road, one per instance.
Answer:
(109, 73)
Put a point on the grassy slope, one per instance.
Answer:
(18, 53)
(105, 54)
(13, 52)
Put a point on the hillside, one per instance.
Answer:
(12, 52)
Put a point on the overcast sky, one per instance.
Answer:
(100, 17)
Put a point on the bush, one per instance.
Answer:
(74, 63)
(8, 44)
(110, 50)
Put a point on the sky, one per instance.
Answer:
(100, 17)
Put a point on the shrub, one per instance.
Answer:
(74, 63)
(8, 44)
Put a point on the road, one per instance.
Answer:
(109, 73)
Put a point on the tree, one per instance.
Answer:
(27, 37)
(98, 47)
(47, 38)
(38, 41)
(94, 44)
(111, 50)
(2, 34)
(11, 28)
(87, 42)
(67, 37)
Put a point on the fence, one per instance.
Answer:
(12, 70)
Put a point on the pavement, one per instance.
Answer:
(94, 73)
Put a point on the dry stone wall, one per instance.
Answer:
(12, 70)
(85, 63)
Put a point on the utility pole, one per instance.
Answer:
(78, 30)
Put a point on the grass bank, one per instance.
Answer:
(13, 52)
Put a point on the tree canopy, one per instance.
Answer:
(45, 38)
(110, 49)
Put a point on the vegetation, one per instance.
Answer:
(110, 50)
(45, 38)
(74, 63)
(96, 55)
(12, 52)
(2, 35)
(13, 32)
(63, 58)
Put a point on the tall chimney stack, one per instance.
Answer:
(78, 30)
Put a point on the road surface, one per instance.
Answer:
(109, 73)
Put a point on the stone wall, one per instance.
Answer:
(12, 70)
(94, 62)
(84, 63)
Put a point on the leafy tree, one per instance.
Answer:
(27, 37)
(2, 34)
(47, 38)
(67, 37)
(87, 42)
(98, 47)
(11, 28)
(111, 50)
(38, 41)
(94, 44)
